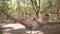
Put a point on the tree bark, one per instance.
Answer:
(22, 21)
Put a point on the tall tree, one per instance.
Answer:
(36, 6)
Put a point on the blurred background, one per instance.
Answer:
(31, 8)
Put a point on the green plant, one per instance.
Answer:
(1, 30)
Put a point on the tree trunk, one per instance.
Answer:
(22, 21)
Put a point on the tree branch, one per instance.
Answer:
(22, 21)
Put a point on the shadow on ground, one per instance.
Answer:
(47, 29)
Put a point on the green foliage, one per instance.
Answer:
(22, 8)
(18, 6)
(1, 30)
(3, 3)
(46, 5)
(49, 5)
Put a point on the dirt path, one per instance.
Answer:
(19, 29)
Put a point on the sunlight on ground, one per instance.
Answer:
(14, 26)
(34, 32)
(18, 26)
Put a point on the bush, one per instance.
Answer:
(1, 31)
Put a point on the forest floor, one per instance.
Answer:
(16, 28)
